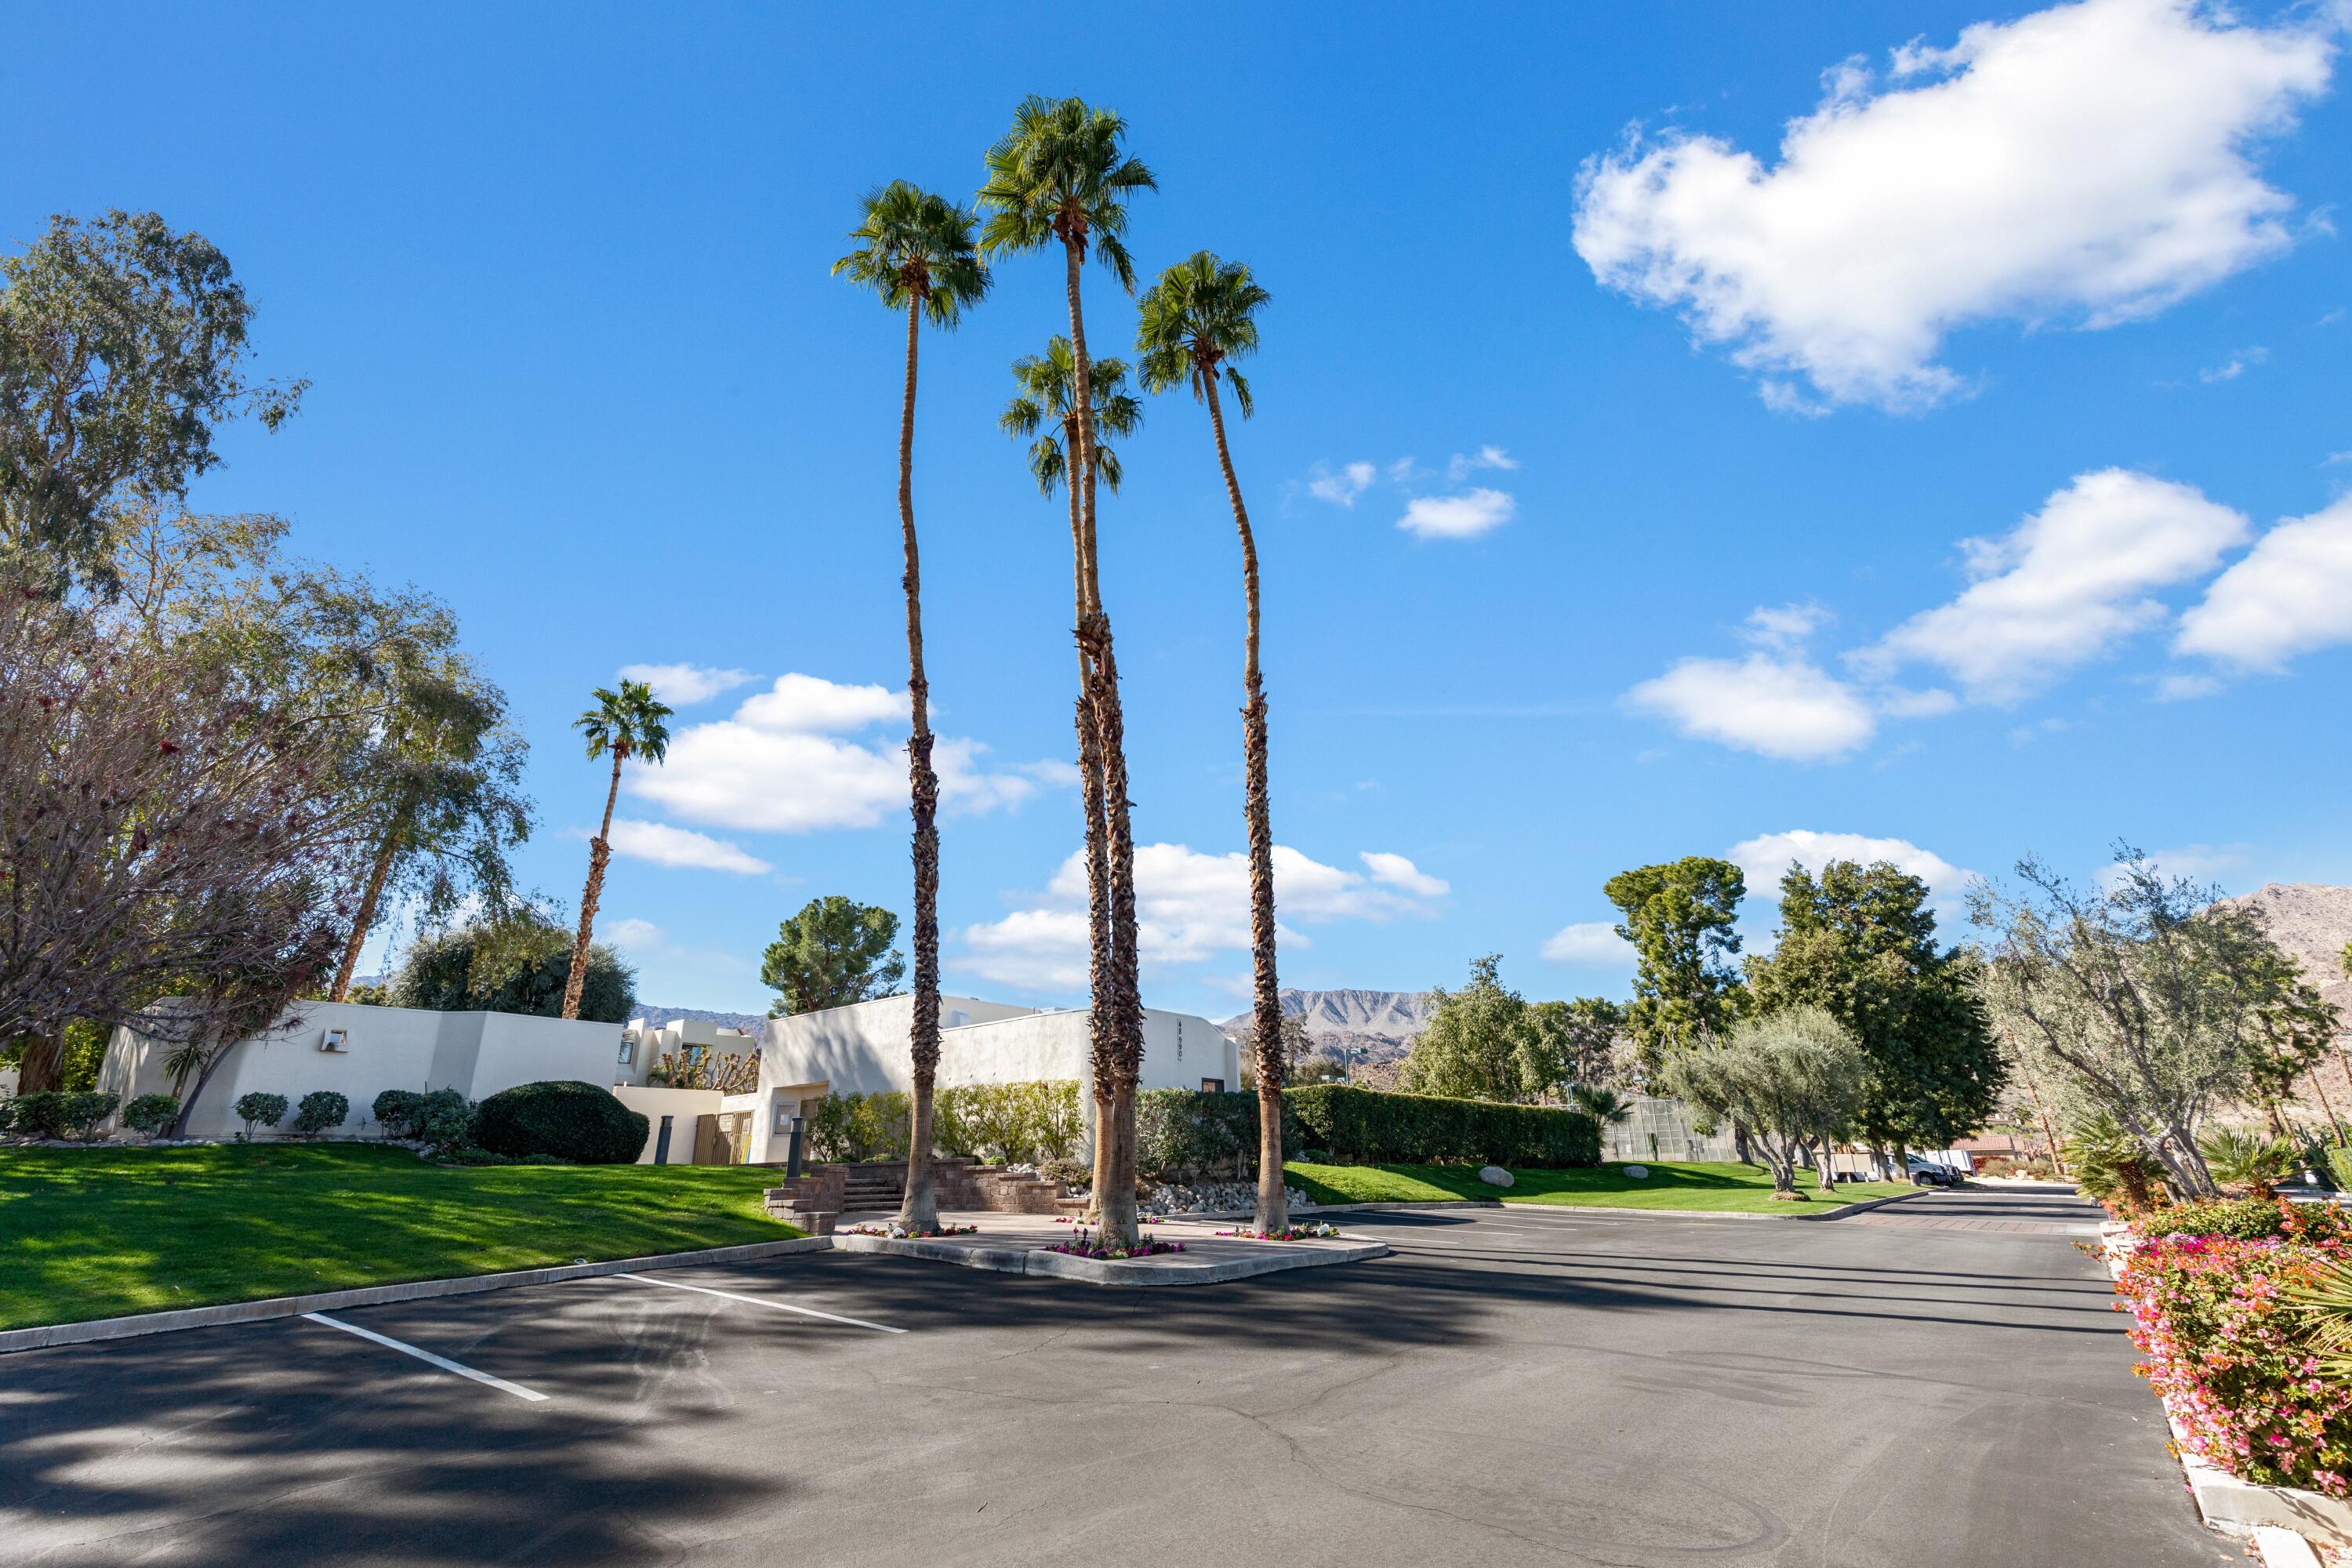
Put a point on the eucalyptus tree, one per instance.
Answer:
(1061, 174)
(445, 770)
(122, 351)
(914, 250)
(1200, 317)
(628, 722)
(1046, 410)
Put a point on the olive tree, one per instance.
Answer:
(1791, 1078)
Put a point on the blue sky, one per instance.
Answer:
(1634, 379)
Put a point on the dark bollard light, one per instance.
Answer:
(792, 1150)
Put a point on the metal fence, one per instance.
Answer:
(1662, 1129)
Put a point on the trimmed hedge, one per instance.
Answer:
(1037, 1120)
(564, 1119)
(1200, 1134)
(60, 1113)
(1369, 1127)
(319, 1109)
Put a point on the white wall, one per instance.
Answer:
(682, 1106)
(476, 1054)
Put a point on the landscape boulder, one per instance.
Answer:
(1494, 1176)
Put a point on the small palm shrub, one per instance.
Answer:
(2240, 1157)
(2110, 1167)
(319, 1109)
(151, 1114)
(260, 1109)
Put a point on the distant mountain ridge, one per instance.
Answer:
(1384, 1023)
(757, 1024)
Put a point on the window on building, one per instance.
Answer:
(628, 1051)
(1212, 1085)
(786, 1111)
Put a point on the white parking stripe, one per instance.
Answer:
(758, 1301)
(444, 1362)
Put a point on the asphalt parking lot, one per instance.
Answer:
(1513, 1386)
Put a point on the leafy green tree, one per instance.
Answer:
(444, 769)
(626, 723)
(1480, 1042)
(1860, 941)
(121, 353)
(834, 953)
(1679, 917)
(914, 251)
(1194, 322)
(1062, 175)
(1793, 1078)
(1590, 1027)
(517, 961)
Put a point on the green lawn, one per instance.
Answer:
(1741, 1189)
(95, 1233)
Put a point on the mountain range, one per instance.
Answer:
(1382, 1024)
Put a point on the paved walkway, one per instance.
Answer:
(2050, 1212)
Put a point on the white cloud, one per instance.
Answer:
(684, 684)
(1464, 516)
(2068, 584)
(1780, 706)
(666, 846)
(1342, 488)
(1399, 873)
(788, 761)
(2182, 688)
(1785, 628)
(1594, 943)
(2202, 863)
(2290, 595)
(1460, 468)
(808, 705)
(2234, 366)
(633, 932)
(1767, 858)
(1189, 908)
(2087, 162)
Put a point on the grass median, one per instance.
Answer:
(99, 1233)
(1725, 1188)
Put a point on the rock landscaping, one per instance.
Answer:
(1210, 1198)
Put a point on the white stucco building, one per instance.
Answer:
(861, 1048)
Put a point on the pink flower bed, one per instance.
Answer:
(2232, 1363)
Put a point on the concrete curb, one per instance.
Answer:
(44, 1336)
(1131, 1272)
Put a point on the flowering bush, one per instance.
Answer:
(898, 1232)
(1087, 1243)
(1311, 1230)
(2235, 1362)
(2238, 1219)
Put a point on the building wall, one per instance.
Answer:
(476, 1054)
(682, 1106)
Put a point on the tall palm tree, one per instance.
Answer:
(1046, 410)
(627, 722)
(1200, 317)
(914, 250)
(1061, 176)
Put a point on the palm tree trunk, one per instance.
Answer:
(365, 919)
(1117, 1008)
(1102, 1037)
(600, 851)
(920, 1211)
(1273, 1199)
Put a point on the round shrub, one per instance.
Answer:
(398, 1111)
(151, 1114)
(319, 1109)
(266, 1109)
(444, 1118)
(2236, 1219)
(569, 1120)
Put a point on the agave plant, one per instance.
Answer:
(2244, 1158)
